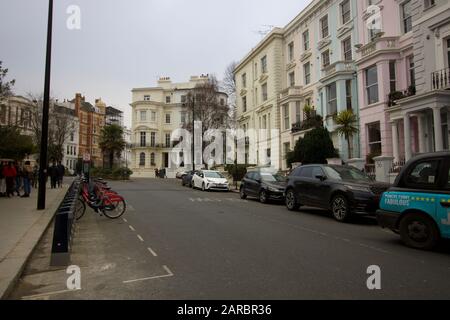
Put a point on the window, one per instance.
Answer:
(264, 91)
(183, 99)
(152, 159)
(372, 85)
(406, 16)
(298, 112)
(448, 53)
(142, 159)
(143, 139)
(392, 76)
(2, 113)
(222, 101)
(153, 116)
(324, 27)
(307, 71)
(256, 95)
(332, 99)
(348, 94)
(412, 73)
(256, 70)
(317, 171)
(167, 118)
(286, 117)
(244, 104)
(424, 174)
(306, 40)
(264, 64)
(167, 140)
(72, 137)
(292, 79)
(347, 49)
(153, 139)
(183, 117)
(244, 80)
(374, 135)
(146, 98)
(307, 172)
(168, 99)
(291, 51)
(429, 3)
(143, 115)
(326, 58)
(345, 11)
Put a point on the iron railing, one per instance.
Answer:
(440, 80)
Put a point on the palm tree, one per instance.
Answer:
(112, 142)
(347, 122)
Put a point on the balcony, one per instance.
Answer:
(378, 44)
(338, 67)
(291, 91)
(149, 146)
(398, 95)
(311, 121)
(440, 80)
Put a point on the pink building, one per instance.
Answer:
(385, 66)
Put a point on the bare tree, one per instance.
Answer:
(5, 86)
(60, 127)
(229, 87)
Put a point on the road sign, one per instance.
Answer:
(86, 157)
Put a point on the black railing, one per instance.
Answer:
(398, 95)
(64, 226)
(440, 80)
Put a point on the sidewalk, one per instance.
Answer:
(21, 227)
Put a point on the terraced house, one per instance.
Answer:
(420, 120)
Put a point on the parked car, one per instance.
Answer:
(344, 190)
(418, 204)
(186, 180)
(263, 185)
(209, 180)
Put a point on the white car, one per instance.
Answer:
(210, 180)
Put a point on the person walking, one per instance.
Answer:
(10, 173)
(61, 170)
(18, 179)
(156, 173)
(2, 180)
(53, 173)
(35, 176)
(26, 176)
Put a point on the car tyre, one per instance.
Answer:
(263, 196)
(242, 193)
(419, 231)
(340, 208)
(291, 200)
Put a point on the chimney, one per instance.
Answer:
(78, 100)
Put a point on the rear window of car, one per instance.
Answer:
(424, 174)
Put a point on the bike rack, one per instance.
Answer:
(64, 226)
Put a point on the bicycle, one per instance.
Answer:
(98, 196)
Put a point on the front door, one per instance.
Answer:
(165, 158)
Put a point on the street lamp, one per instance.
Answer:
(46, 105)
(193, 130)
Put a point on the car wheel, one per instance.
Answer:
(339, 208)
(419, 231)
(291, 200)
(242, 193)
(263, 196)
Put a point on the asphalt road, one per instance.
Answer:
(179, 243)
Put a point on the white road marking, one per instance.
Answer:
(47, 294)
(140, 238)
(152, 252)
(132, 229)
(124, 220)
(168, 275)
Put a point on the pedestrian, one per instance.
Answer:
(26, 176)
(18, 179)
(156, 173)
(2, 180)
(10, 173)
(35, 176)
(53, 173)
(61, 170)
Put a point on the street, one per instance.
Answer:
(178, 243)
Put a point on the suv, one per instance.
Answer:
(344, 190)
(263, 185)
(418, 205)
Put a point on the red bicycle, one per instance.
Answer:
(99, 196)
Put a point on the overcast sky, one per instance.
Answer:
(131, 43)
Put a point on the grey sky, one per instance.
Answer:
(130, 43)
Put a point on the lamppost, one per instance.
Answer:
(46, 105)
(193, 131)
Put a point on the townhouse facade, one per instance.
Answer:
(156, 113)
(18, 111)
(420, 121)
(377, 58)
(71, 143)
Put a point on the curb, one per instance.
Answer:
(12, 267)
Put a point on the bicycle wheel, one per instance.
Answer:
(115, 209)
(80, 209)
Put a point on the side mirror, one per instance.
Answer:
(321, 177)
